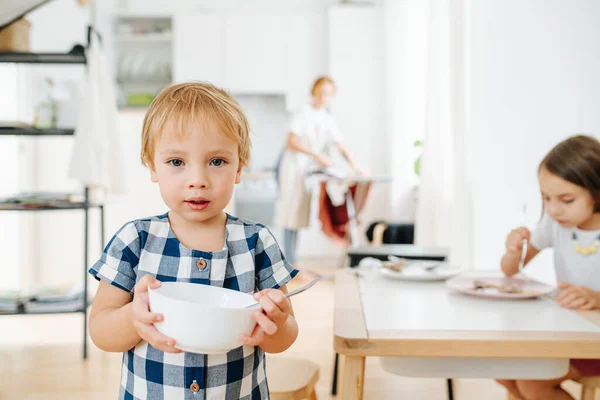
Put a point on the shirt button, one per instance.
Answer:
(201, 264)
(194, 387)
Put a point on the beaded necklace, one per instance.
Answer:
(587, 250)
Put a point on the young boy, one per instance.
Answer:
(195, 141)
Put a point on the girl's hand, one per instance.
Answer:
(143, 319)
(323, 160)
(275, 311)
(577, 297)
(514, 240)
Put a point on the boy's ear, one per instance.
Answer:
(238, 174)
(153, 176)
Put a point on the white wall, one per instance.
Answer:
(405, 25)
(535, 80)
(356, 63)
(268, 122)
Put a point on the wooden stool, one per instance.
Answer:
(588, 388)
(292, 379)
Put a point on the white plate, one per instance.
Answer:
(421, 274)
(532, 288)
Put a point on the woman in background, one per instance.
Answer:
(313, 134)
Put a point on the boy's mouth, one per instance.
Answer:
(197, 203)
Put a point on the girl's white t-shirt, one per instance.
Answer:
(571, 267)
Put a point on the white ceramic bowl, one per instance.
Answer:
(201, 318)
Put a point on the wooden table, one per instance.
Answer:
(424, 329)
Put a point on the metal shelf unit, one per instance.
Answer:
(85, 205)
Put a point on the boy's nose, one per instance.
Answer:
(199, 179)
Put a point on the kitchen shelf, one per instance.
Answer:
(22, 311)
(143, 54)
(75, 57)
(42, 58)
(46, 207)
(30, 131)
(43, 201)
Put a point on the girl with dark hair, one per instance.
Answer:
(569, 179)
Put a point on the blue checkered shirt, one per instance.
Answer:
(250, 261)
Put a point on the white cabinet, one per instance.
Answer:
(199, 48)
(255, 54)
(306, 56)
(252, 54)
(143, 54)
(356, 66)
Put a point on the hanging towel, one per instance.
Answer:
(336, 189)
(97, 158)
(334, 219)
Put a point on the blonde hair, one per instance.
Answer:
(192, 103)
(320, 81)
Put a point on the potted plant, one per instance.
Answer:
(417, 164)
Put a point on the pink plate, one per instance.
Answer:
(530, 289)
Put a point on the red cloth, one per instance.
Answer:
(334, 219)
(587, 367)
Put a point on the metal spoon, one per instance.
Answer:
(293, 292)
(525, 242)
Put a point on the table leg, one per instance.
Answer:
(354, 239)
(450, 389)
(334, 383)
(353, 378)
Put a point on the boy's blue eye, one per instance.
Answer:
(217, 162)
(176, 162)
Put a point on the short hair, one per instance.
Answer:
(320, 81)
(577, 160)
(192, 103)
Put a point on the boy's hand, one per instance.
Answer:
(143, 320)
(577, 297)
(514, 241)
(273, 313)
